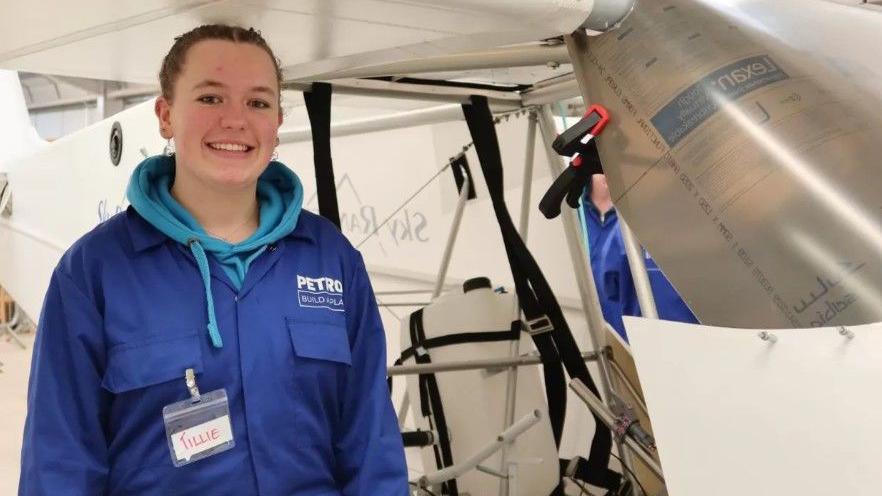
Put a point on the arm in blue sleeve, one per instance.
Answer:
(65, 448)
(627, 290)
(369, 449)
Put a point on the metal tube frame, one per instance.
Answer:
(584, 276)
(404, 304)
(398, 120)
(10, 327)
(511, 385)
(451, 238)
(482, 364)
(506, 437)
(513, 56)
(637, 264)
(595, 405)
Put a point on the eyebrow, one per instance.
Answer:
(209, 83)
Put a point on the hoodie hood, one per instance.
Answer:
(279, 194)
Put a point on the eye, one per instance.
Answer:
(260, 104)
(209, 99)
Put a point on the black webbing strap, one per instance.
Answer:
(318, 105)
(430, 404)
(459, 338)
(541, 310)
(452, 339)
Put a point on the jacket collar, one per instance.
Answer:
(144, 236)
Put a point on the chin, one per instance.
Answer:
(236, 181)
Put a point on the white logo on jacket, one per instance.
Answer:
(320, 292)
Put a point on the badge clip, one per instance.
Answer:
(190, 378)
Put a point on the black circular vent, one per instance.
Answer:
(116, 143)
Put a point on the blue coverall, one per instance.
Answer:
(124, 318)
(612, 274)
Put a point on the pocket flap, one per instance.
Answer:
(149, 362)
(320, 340)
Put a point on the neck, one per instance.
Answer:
(230, 215)
(601, 201)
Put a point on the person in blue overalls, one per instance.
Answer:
(612, 271)
(601, 221)
(214, 280)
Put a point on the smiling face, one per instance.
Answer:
(224, 116)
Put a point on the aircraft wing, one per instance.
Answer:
(125, 41)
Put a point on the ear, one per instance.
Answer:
(162, 108)
(281, 118)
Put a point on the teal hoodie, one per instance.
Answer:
(279, 193)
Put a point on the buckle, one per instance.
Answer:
(539, 325)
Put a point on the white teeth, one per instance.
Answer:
(230, 147)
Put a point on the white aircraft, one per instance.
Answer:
(726, 118)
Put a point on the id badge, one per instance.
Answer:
(198, 427)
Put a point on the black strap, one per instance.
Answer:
(459, 338)
(318, 105)
(460, 167)
(431, 406)
(536, 297)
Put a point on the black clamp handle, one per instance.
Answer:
(577, 143)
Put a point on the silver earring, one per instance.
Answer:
(275, 154)
(169, 148)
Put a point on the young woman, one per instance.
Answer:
(213, 339)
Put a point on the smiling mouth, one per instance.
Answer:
(230, 147)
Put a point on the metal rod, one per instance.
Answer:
(584, 276)
(398, 120)
(498, 100)
(402, 292)
(507, 436)
(578, 253)
(630, 387)
(61, 103)
(402, 408)
(518, 56)
(637, 263)
(527, 180)
(560, 88)
(404, 304)
(101, 100)
(511, 383)
(451, 238)
(483, 364)
(598, 408)
(4, 328)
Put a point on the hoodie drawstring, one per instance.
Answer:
(202, 262)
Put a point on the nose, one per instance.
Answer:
(233, 117)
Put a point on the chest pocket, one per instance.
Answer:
(146, 363)
(319, 340)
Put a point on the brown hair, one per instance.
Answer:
(174, 59)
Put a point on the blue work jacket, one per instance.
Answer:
(616, 287)
(598, 229)
(303, 364)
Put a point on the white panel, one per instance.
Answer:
(62, 192)
(736, 415)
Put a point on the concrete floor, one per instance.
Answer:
(13, 407)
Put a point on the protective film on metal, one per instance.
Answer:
(743, 152)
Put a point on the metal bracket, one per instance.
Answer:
(539, 325)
